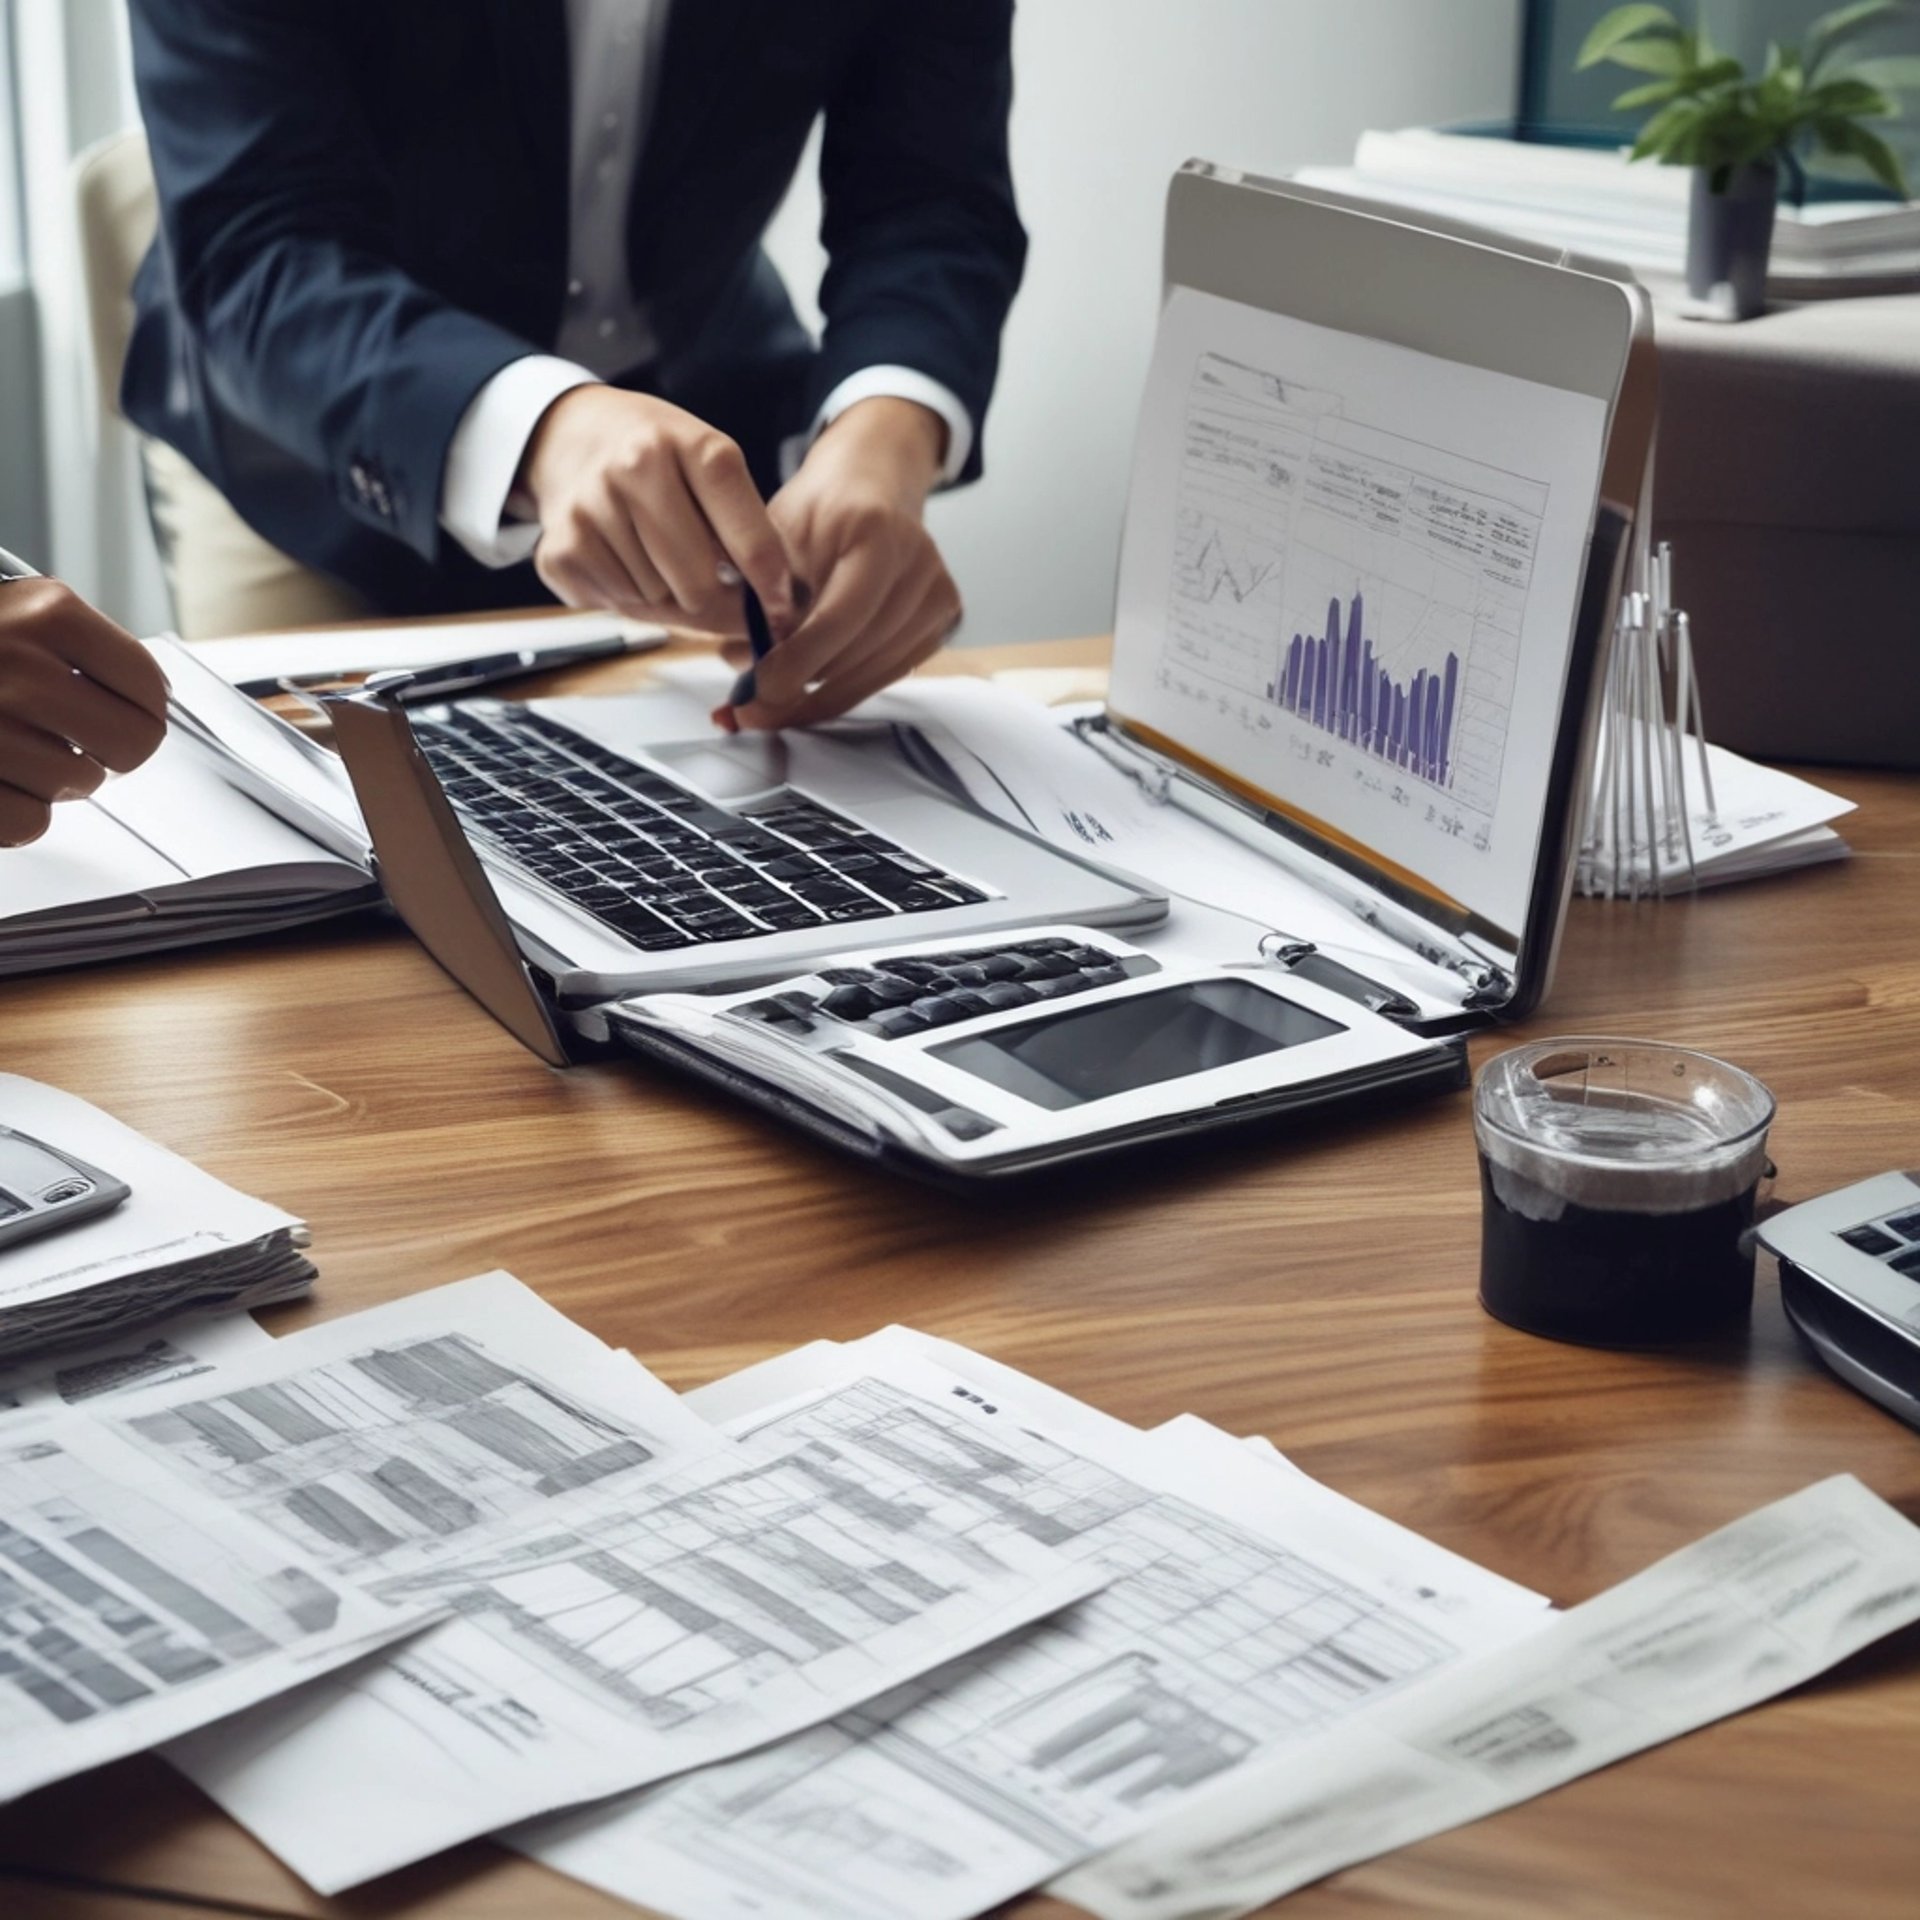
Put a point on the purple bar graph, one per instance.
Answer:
(1331, 680)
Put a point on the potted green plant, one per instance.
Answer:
(1742, 132)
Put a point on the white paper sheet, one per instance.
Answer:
(417, 1433)
(132, 1609)
(261, 756)
(137, 1362)
(1284, 474)
(181, 806)
(1746, 1613)
(85, 855)
(366, 649)
(176, 1212)
(1018, 762)
(1249, 1608)
(671, 1620)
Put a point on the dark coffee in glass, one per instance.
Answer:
(1617, 1181)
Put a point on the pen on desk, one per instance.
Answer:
(462, 676)
(455, 676)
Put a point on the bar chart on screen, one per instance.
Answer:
(1361, 592)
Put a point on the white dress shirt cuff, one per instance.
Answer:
(893, 383)
(485, 454)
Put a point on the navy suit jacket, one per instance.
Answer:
(363, 217)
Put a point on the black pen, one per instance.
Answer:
(462, 676)
(458, 676)
(760, 640)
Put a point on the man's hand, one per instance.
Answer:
(79, 698)
(641, 505)
(882, 599)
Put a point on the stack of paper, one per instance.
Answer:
(1593, 201)
(1245, 1611)
(1743, 822)
(181, 1243)
(872, 1631)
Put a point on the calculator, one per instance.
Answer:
(1850, 1283)
(43, 1189)
(1020, 1050)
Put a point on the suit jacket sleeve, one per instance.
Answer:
(277, 225)
(924, 244)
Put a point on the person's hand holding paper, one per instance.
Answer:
(79, 699)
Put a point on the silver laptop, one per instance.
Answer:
(631, 853)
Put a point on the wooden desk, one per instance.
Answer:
(1273, 1285)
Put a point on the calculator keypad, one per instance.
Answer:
(1895, 1241)
(915, 993)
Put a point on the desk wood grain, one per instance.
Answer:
(1315, 1285)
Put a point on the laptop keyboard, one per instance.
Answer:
(655, 861)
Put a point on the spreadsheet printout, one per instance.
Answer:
(133, 1609)
(667, 1620)
(1247, 1609)
(1760, 1606)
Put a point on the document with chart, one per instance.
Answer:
(1248, 1609)
(133, 1608)
(1349, 582)
(421, 1431)
(619, 1618)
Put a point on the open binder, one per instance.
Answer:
(1383, 486)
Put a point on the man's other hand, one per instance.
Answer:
(882, 599)
(644, 509)
(79, 698)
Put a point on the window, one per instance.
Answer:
(13, 249)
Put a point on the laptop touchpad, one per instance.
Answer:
(730, 771)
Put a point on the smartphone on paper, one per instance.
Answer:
(43, 1189)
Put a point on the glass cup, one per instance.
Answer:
(1617, 1181)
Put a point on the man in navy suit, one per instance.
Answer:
(445, 285)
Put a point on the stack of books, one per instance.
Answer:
(1593, 201)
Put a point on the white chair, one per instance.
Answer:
(222, 576)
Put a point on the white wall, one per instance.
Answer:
(1111, 96)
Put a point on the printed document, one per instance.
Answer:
(1746, 1613)
(662, 1614)
(422, 1431)
(1248, 1610)
(133, 1609)
(135, 1362)
(1349, 582)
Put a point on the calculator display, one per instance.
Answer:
(1095, 1052)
